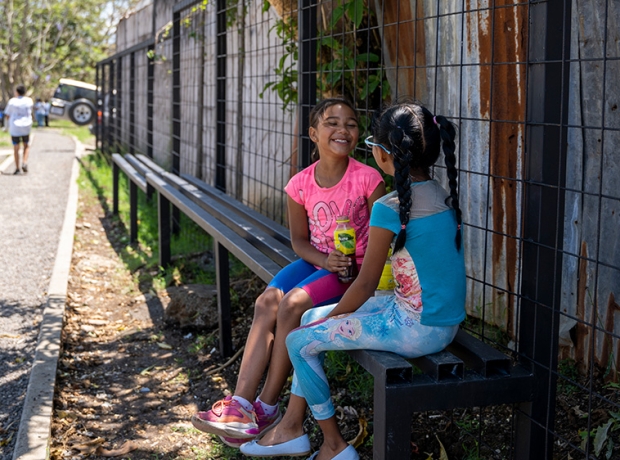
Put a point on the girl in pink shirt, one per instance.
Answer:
(335, 185)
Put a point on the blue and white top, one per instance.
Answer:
(429, 271)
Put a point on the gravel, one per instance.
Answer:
(32, 208)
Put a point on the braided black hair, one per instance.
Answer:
(318, 111)
(414, 136)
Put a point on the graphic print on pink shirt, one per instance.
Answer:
(323, 220)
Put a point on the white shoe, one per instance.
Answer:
(293, 448)
(349, 453)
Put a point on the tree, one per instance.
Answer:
(44, 40)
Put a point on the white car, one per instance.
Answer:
(74, 100)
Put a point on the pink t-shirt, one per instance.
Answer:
(349, 197)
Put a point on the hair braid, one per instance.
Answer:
(401, 144)
(448, 133)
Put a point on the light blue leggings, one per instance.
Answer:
(379, 324)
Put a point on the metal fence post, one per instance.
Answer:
(307, 18)
(543, 219)
(119, 104)
(132, 102)
(220, 98)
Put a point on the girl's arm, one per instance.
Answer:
(378, 193)
(364, 286)
(300, 240)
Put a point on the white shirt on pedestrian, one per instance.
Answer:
(19, 110)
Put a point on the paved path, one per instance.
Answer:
(32, 211)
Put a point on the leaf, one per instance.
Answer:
(89, 447)
(164, 345)
(146, 370)
(336, 15)
(355, 12)
(367, 57)
(601, 436)
(362, 433)
(66, 414)
(127, 447)
(442, 451)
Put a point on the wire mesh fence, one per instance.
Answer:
(222, 91)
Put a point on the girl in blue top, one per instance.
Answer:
(422, 221)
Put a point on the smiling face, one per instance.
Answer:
(336, 132)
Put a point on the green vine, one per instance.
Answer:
(286, 70)
(350, 66)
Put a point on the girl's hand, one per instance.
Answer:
(337, 261)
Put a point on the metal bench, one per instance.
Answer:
(469, 373)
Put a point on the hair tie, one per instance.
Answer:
(436, 122)
(402, 227)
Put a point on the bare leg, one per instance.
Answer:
(291, 425)
(290, 311)
(26, 153)
(333, 442)
(16, 155)
(258, 346)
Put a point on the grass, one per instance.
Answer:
(64, 126)
(191, 248)
(69, 128)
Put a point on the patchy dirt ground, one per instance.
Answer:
(127, 384)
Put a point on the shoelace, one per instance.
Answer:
(219, 406)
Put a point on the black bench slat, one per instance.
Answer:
(254, 259)
(479, 356)
(384, 365)
(441, 366)
(139, 166)
(279, 252)
(130, 171)
(150, 163)
(267, 225)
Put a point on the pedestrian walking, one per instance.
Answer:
(19, 113)
(46, 106)
(39, 112)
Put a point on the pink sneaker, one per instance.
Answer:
(227, 418)
(265, 423)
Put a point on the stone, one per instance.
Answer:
(192, 305)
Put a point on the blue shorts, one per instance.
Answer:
(321, 285)
(23, 139)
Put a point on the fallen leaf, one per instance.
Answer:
(442, 451)
(146, 370)
(127, 447)
(164, 345)
(361, 434)
(89, 447)
(65, 414)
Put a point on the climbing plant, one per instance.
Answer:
(348, 57)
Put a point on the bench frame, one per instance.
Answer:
(469, 373)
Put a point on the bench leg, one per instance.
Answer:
(176, 220)
(223, 299)
(163, 214)
(392, 422)
(133, 212)
(115, 172)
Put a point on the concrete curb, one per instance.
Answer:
(32, 442)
